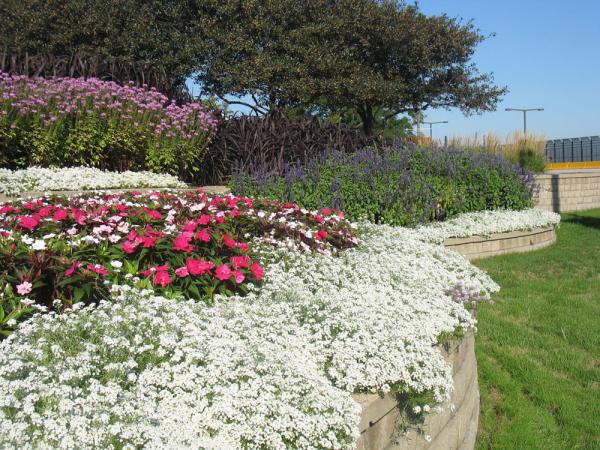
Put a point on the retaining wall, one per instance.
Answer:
(564, 192)
(382, 424)
(476, 247)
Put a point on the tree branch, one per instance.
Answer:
(254, 108)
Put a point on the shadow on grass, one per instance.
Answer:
(587, 221)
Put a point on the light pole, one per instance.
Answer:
(431, 127)
(524, 111)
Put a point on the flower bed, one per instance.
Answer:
(394, 185)
(74, 121)
(273, 367)
(15, 182)
(61, 251)
(273, 363)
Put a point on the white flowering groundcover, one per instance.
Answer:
(273, 369)
(486, 223)
(13, 182)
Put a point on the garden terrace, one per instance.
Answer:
(216, 293)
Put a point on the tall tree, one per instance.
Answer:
(157, 33)
(329, 55)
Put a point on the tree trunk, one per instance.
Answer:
(368, 119)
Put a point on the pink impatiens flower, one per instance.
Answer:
(198, 266)
(223, 272)
(238, 276)
(69, 272)
(24, 288)
(128, 247)
(204, 219)
(228, 241)
(238, 262)
(182, 242)
(182, 272)
(162, 278)
(28, 222)
(257, 271)
(203, 235)
(60, 214)
(97, 268)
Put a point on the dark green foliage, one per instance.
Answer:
(155, 33)
(394, 185)
(331, 55)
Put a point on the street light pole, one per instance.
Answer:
(431, 127)
(524, 111)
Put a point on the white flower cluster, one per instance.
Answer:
(486, 223)
(274, 369)
(80, 178)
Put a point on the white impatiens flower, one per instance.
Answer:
(39, 244)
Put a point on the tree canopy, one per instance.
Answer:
(156, 33)
(330, 55)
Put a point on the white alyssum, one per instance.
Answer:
(14, 182)
(274, 369)
(486, 223)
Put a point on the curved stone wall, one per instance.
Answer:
(475, 247)
(381, 423)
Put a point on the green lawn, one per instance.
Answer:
(538, 347)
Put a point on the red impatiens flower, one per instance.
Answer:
(190, 226)
(162, 278)
(70, 271)
(148, 242)
(223, 272)
(198, 266)
(204, 219)
(154, 215)
(129, 247)
(244, 247)
(182, 242)
(203, 235)
(228, 241)
(257, 271)
(151, 270)
(60, 214)
(321, 235)
(28, 222)
(98, 268)
(45, 212)
(238, 262)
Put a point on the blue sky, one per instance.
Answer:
(548, 54)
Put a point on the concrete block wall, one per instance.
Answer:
(476, 247)
(568, 192)
(382, 424)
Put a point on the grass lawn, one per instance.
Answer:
(538, 347)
